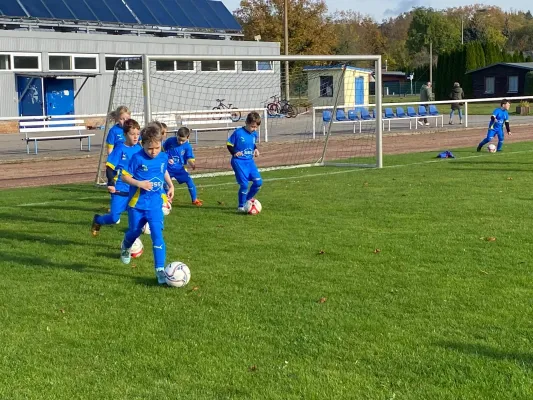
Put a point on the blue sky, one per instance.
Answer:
(387, 8)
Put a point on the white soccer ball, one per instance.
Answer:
(167, 208)
(253, 207)
(146, 229)
(137, 248)
(491, 148)
(177, 274)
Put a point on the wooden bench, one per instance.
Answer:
(214, 119)
(32, 129)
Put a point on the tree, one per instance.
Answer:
(428, 26)
(311, 31)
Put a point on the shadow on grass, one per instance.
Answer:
(488, 169)
(486, 351)
(18, 236)
(4, 217)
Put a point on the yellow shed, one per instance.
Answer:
(323, 83)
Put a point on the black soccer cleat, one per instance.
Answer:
(95, 228)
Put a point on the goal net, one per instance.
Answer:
(325, 111)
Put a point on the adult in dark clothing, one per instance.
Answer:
(457, 93)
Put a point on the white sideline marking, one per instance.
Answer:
(285, 178)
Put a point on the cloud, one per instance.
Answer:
(401, 7)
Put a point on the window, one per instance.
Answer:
(184, 65)
(73, 62)
(326, 86)
(170, 65)
(128, 65)
(513, 84)
(257, 66)
(489, 85)
(165, 66)
(20, 61)
(212, 66)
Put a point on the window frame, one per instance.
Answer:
(257, 70)
(73, 56)
(223, 71)
(493, 84)
(177, 71)
(509, 84)
(119, 56)
(326, 96)
(12, 56)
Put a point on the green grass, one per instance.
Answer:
(438, 312)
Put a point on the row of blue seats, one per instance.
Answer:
(353, 115)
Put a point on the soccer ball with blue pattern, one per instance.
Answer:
(177, 274)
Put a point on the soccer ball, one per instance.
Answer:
(491, 148)
(177, 274)
(167, 207)
(146, 229)
(253, 207)
(137, 248)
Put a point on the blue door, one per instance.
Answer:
(30, 94)
(359, 90)
(59, 95)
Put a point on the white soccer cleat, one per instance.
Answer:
(125, 254)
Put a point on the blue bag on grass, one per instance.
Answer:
(445, 154)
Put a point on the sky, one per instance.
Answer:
(380, 9)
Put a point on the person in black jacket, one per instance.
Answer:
(457, 94)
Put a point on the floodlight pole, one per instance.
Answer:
(146, 90)
(286, 45)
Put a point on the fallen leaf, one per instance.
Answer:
(485, 272)
(62, 311)
(509, 179)
(220, 226)
(253, 368)
(322, 300)
(321, 252)
(377, 251)
(365, 184)
(196, 288)
(491, 239)
(133, 266)
(221, 203)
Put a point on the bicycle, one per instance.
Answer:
(282, 107)
(235, 115)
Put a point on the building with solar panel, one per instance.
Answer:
(57, 57)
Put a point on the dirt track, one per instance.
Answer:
(83, 169)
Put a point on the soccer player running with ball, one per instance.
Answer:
(499, 117)
(146, 174)
(242, 146)
(118, 159)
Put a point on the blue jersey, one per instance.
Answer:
(115, 136)
(243, 141)
(144, 168)
(179, 154)
(501, 116)
(119, 159)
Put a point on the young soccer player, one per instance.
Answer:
(180, 155)
(116, 133)
(119, 190)
(146, 173)
(242, 146)
(499, 117)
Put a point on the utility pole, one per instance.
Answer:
(286, 37)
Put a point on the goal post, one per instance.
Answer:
(332, 118)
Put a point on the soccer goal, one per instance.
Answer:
(325, 111)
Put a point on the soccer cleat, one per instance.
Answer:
(125, 254)
(161, 276)
(479, 148)
(241, 210)
(95, 228)
(198, 203)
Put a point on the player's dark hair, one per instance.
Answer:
(504, 101)
(130, 124)
(165, 127)
(151, 133)
(253, 117)
(183, 132)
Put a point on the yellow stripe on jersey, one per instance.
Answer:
(165, 198)
(124, 172)
(135, 198)
(229, 144)
(191, 159)
(108, 164)
(110, 146)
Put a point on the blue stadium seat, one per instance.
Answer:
(340, 115)
(422, 111)
(326, 116)
(411, 112)
(365, 115)
(352, 115)
(433, 110)
(400, 113)
(389, 113)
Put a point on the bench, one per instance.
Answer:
(215, 119)
(32, 129)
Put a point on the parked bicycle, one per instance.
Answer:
(235, 115)
(283, 107)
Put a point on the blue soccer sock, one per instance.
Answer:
(242, 195)
(256, 185)
(108, 219)
(192, 189)
(483, 142)
(500, 145)
(158, 244)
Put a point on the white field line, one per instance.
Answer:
(286, 178)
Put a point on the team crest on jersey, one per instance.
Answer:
(124, 157)
(144, 168)
(183, 152)
(242, 139)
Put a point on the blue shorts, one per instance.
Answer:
(245, 171)
(119, 203)
(493, 132)
(182, 176)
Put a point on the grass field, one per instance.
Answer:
(409, 282)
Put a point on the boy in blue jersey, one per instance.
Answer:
(118, 159)
(115, 135)
(499, 117)
(147, 174)
(180, 155)
(242, 146)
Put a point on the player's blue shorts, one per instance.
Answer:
(119, 203)
(182, 176)
(245, 171)
(493, 132)
(138, 218)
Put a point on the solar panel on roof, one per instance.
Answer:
(81, 11)
(179, 14)
(58, 9)
(12, 9)
(223, 13)
(121, 11)
(102, 11)
(211, 15)
(164, 15)
(142, 12)
(192, 10)
(36, 9)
